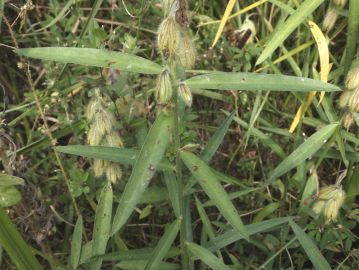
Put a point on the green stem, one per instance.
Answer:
(179, 176)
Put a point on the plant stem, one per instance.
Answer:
(177, 145)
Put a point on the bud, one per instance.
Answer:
(163, 87)
(354, 100)
(344, 99)
(329, 20)
(348, 120)
(340, 3)
(168, 36)
(186, 52)
(352, 80)
(185, 93)
(113, 172)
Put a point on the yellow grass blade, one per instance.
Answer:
(226, 14)
(323, 49)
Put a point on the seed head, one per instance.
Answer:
(329, 20)
(98, 167)
(164, 87)
(166, 6)
(344, 99)
(113, 172)
(340, 3)
(352, 80)
(248, 25)
(168, 36)
(185, 93)
(348, 120)
(186, 52)
(354, 100)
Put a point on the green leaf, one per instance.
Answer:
(207, 257)
(102, 226)
(310, 189)
(257, 82)
(172, 187)
(140, 264)
(352, 35)
(146, 164)
(76, 243)
(15, 246)
(93, 57)
(215, 191)
(304, 151)
(352, 187)
(232, 236)
(9, 196)
(266, 211)
(163, 246)
(316, 257)
(281, 34)
(10, 180)
(121, 155)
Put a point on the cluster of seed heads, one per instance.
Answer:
(175, 45)
(102, 132)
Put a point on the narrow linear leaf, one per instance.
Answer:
(93, 57)
(214, 190)
(316, 257)
(352, 187)
(146, 164)
(266, 211)
(232, 236)
(102, 226)
(216, 139)
(163, 246)
(172, 188)
(15, 246)
(256, 82)
(76, 243)
(207, 257)
(281, 34)
(226, 14)
(304, 151)
(121, 155)
(353, 34)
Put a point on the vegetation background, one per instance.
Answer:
(226, 159)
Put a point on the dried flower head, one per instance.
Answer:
(330, 200)
(185, 93)
(168, 36)
(352, 80)
(354, 100)
(186, 52)
(164, 87)
(329, 20)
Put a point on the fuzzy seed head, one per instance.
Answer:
(328, 192)
(113, 172)
(167, 6)
(329, 20)
(318, 207)
(185, 93)
(98, 167)
(340, 3)
(352, 80)
(348, 120)
(186, 52)
(344, 99)
(164, 87)
(354, 100)
(168, 36)
(114, 140)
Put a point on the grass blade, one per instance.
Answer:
(213, 189)
(353, 34)
(172, 187)
(258, 82)
(146, 164)
(93, 57)
(310, 248)
(207, 257)
(76, 243)
(101, 230)
(281, 34)
(121, 155)
(304, 151)
(163, 246)
(15, 246)
(266, 211)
